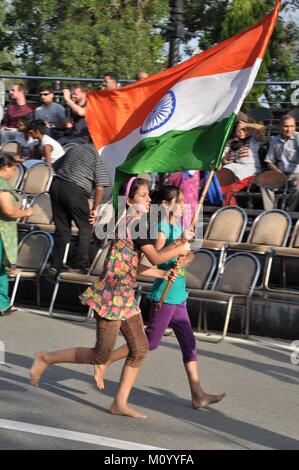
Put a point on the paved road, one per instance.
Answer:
(68, 412)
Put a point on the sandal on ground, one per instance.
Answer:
(12, 271)
(8, 311)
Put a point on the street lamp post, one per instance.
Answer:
(176, 31)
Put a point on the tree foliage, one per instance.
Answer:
(214, 22)
(8, 62)
(84, 38)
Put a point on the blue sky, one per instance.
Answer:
(293, 15)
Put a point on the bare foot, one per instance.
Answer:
(124, 410)
(38, 368)
(206, 399)
(99, 374)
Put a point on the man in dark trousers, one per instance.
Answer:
(78, 173)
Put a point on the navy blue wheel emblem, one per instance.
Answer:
(161, 113)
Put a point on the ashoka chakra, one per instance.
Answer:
(161, 113)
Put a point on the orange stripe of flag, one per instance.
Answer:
(112, 115)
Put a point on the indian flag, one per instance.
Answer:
(179, 119)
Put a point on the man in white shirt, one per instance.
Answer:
(50, 149)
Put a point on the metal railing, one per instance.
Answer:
(58, 82)
(100, 80)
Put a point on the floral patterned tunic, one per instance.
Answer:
(113, 295)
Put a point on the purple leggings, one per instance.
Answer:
(175, 316)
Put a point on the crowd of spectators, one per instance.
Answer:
(243, 160)
(48, 131)
(57, 136)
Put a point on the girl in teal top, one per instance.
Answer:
(177, 292)
(173, 313)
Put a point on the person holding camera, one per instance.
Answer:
(76, 101)
(241, 161)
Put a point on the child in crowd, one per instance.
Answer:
(50, 149)
(28, 147)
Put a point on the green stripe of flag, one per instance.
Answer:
(175, 150)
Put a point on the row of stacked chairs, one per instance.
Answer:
(225, 270)
(32, 181)
(35, 249)
(230, 262)
(270, 236)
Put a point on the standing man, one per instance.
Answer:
(76, 100)
(110, 81)
(78, 173)
(141, 75)
(283, 157)
(15, 111)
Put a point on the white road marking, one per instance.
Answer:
(73, 436)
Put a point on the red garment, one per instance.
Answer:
(15, 111)
(227, 191)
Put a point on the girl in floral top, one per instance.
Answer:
(112, 298)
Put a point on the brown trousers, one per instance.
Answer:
(107, 331)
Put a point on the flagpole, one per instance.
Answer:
(192, 226)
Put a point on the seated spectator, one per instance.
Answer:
(69, 123)
(28, 147)
(15, 111)
(50, 149)
(241, 159)
(283, 157)
(53, 114)
(77, 133)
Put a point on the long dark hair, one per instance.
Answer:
(7, 159)
(133, 190)
(165, 193)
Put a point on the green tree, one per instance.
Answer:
(204, 18)
(278, 63)
(8, 62)
(225, 18)
(83, 38)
